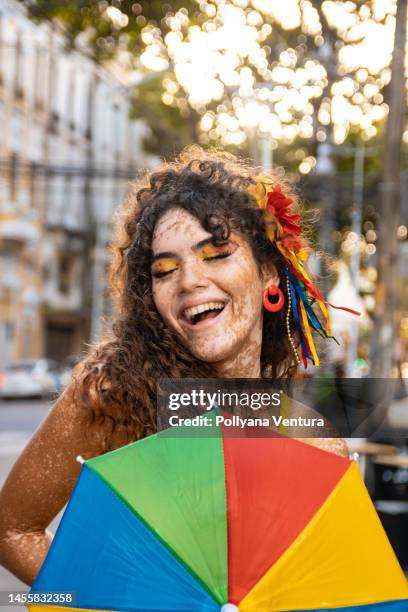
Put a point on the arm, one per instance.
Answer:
(40, 484)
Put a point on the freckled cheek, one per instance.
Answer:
(159, 298)
(163, 299)
(244, 273)
(246, 291)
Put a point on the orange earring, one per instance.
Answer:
(273, 290)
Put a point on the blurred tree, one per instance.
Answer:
(299, 72)
(109, 26)
(170, 128)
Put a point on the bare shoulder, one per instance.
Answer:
(338, 446)
(330, 440)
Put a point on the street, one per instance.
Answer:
(18, 420)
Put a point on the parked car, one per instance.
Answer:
(30, 378)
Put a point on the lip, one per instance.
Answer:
(202, 325)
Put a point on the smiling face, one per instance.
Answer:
(209, 295)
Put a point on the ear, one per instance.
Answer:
(270, 275)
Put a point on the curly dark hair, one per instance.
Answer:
(117, 380)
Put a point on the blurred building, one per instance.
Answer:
(67, 152)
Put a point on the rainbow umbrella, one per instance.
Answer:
(209, 523)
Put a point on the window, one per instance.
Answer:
(14, 176)
(33, 184)
(39, 77)
(16, 135)
(8, 269)
(71, 100)
(37, 142)
(65, 273)
(9, 331)
(18, 89)
(1, 48)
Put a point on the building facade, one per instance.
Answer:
(67, 152)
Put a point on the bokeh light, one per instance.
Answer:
(227, 58)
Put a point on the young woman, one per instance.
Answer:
(210, 281)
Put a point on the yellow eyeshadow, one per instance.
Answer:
(164, 265)
(211, 250)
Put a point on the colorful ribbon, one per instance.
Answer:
(283, 228)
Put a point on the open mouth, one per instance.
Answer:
(203, 312)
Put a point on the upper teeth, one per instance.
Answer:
(189, 313)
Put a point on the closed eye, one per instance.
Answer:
(220, 256)
(211, 252)
(163, 267)
(162, 274)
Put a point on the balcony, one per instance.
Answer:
(18, 229)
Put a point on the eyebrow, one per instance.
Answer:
(169, 254)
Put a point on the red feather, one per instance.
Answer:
(278, 205)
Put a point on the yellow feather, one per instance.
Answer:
(308, 333)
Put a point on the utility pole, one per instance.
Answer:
(90, 220)
(358, 200)
(326, 172)
(383, 334)
(326, 151)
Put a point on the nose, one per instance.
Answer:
(192, 276)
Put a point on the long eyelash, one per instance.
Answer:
(220, 256)
(161, 274)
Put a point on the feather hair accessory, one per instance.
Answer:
(283, 227)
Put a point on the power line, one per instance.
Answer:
(34, 169)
